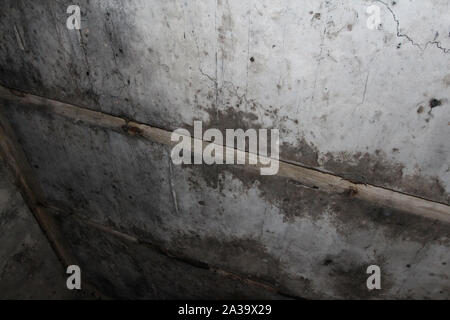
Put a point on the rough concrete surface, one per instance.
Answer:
(367, 105)
(370, 105)
(128, 270)
(308, 243)
(29, 268)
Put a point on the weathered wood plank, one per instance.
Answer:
(309, 177)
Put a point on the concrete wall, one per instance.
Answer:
(366, 105)
(29, 268)
(348, 99)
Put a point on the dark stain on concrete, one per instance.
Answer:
(230, 118)
(420, 109)
(348, 215)
(29, 269)
(235, 256)
(375, 169)
(359, 167)
(232, 254)
(122, 269)
(435, 103)
(349, 273)
(297, 201)
(303, 152)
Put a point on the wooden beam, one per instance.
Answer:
(306, 176)
(15, 159)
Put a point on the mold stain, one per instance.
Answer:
(367, 168)
(435, 103)
(375, 169)
(347, 214)
(297, 201)
(238, 255)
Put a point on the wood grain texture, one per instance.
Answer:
(31, 191)
(308, 177)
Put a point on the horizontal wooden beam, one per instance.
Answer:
(306, 176)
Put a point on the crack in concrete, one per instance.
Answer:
(252, 281)
(407, 37)
(172, 186)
